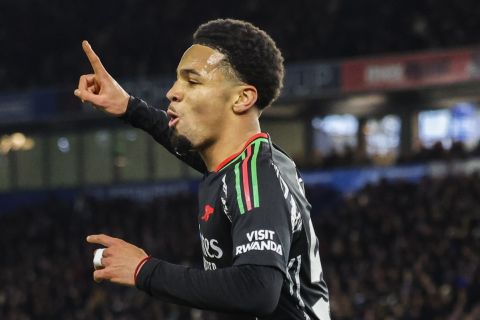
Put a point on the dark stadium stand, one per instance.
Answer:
(392, 250)
(405, 251)
(150, 37)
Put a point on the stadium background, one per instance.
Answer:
(380, 111)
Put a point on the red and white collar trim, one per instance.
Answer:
(233, 156)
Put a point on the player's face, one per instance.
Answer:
(200, 99)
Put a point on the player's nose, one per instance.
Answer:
(174, 94)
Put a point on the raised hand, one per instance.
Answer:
(100, 88)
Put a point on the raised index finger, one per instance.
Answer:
(97, 65)
(102, 239)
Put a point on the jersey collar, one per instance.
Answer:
(233, 156)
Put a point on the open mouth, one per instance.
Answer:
(173, 118)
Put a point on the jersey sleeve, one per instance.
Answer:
(260, 214)
(155, 122)
(243, 289)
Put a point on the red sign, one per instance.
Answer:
(407, 71)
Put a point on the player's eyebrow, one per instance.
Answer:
(187, 72)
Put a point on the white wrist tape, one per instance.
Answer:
(97, 258)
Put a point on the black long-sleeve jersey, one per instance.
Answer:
(253, 213)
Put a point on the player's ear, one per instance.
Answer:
(245, 99)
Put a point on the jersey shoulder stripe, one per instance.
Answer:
(245, 171)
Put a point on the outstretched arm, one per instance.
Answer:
(248, 289)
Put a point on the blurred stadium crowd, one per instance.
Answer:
(399, 250)
(392, 250)
(142, 38)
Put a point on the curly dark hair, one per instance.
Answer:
(250, 51)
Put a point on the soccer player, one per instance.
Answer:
(260, 251)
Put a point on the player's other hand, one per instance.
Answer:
(100, 88)
(120, 260)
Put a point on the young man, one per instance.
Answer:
(260, 251)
